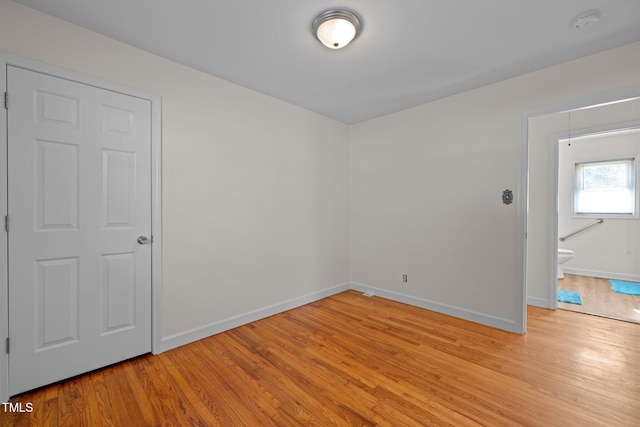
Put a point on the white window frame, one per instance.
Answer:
(633, 183)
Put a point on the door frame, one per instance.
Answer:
(554, 209)
(156, 201)
(523, 213)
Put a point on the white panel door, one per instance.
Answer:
(79, 197)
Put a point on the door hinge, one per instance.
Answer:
(7, 345)
(6, 223)
(6, 100)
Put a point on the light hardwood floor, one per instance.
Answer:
(598, 298)
(356, 360)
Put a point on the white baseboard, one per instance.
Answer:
(602, 274)
(538, 302)
(485, 319)
(193, 335)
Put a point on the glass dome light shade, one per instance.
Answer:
(336, 28)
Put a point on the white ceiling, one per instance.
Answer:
(410, 51)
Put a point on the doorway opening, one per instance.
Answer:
(598, 244)
(597, 207)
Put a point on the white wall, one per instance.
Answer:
(426, 187)
(611, 249)
(544, 131)
(254, 189)
(256, 194)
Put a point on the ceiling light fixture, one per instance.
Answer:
(336, 28)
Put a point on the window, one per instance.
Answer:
(605, 188)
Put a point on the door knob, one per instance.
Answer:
(143, 240)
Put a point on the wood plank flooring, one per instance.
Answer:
(351, 360)
(598, 298)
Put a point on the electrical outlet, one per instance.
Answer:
(404, 278)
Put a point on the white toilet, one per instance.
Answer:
(564, 255)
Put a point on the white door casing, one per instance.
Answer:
(80, 176)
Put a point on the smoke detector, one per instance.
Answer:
(586, 20)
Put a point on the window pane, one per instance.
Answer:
(605, 176)
(605, 188)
